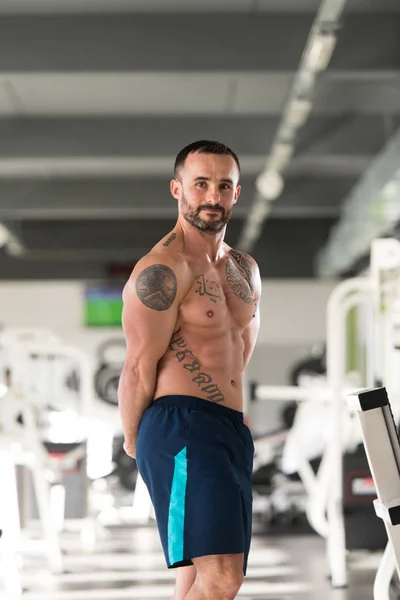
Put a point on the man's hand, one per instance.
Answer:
(130, 449)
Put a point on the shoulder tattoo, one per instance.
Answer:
(170, 239)
(243, 263)
(156, 287)
(238, 275)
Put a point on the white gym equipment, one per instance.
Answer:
(382, 447)
(31, 363)
(377, 296)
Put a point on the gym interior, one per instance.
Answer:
(96, 100)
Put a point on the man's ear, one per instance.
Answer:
(237, 193)
(176, 188)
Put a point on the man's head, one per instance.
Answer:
(206, 184)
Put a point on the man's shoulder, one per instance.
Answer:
(169, 247)
(158, 269)
(243, 259)
(159, 256)
(165, 259)
(248, 268)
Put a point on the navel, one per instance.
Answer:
(233, 383)
(210, 313)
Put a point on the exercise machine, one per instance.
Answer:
(376, 296)
(382, 447)
(30, 365)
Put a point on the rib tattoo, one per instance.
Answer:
(201, 379)
(156, 287)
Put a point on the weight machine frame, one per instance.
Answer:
(381, 443)
(20, 443)
(377, 292)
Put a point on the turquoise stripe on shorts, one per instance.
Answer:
(176, 515)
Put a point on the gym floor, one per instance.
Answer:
(130, 565)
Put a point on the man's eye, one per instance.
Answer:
(201, 184)
(225, 186)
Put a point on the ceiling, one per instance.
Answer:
(98, 97)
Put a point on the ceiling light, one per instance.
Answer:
(320, 52)
(260, 211)
(270, 184)
(391, 190)
(14, 247)
(390, 200)
(305, 82)
(298, 112)
(280, 157)
(4, 235)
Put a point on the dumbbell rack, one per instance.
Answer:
(382, 448)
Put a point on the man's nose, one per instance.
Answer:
(213, 195)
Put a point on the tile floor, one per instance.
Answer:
(130, 565)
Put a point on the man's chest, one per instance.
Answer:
(220, 294)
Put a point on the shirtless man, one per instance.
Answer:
(191, 319)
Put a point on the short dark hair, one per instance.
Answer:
(203, 147)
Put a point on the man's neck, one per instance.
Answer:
(198, 243)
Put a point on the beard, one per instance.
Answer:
(212, 224)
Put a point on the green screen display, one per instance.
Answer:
(103, 307)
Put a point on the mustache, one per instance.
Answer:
(209, 207)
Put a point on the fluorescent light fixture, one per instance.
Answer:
(254, 225)
(260, 211)
(390, 199)
(4, 235)
(11, 244)
(270, 184)
(391, 190)
(305, 82)
(320, 52)
(14, 247)
(252, 232)
(280, 157)
(298, 112)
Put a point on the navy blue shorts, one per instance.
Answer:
(196, 459)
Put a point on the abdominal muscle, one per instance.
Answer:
(207, 365)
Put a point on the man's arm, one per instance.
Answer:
(250, 333)
(151, 302)
(249, 337)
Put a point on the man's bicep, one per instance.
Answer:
(150, 312)
(156, 287)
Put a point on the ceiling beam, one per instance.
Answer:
(49, 260)
(347, 135)
(173, 93)
(122, 43)
(101, 168)
(95, 199)
(30, 7)
(115, 199)
(371, 210)
(166, 136)
(137, 136)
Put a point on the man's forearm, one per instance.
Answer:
(134, 395)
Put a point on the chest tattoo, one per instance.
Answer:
(238, 276)
(205, 287)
